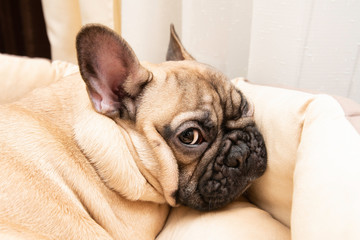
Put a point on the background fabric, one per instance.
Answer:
(304, 44)
(22, 28)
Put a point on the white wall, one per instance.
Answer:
(218, 33)
(214, 32)
(309, 44)
(146, 26)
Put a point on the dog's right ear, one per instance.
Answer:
(110, 69)
(176, 51)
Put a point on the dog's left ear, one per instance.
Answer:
(176, 51)
(110, 69)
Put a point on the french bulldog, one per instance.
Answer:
(103, 153)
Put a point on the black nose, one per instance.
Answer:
(237, 155)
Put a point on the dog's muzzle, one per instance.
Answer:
(240, 160)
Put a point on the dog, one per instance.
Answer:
(104, 153)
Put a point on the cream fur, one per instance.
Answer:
(50, 188)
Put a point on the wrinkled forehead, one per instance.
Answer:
(199, 81)
(187, 70)
(209, 85)
(198, 87)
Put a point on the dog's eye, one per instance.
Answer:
(191, 136)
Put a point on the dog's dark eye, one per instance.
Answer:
(191, 136)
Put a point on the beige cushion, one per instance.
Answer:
(20, 75)
(239, 220)
(312, 183)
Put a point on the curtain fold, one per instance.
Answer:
(64, 19)
(303, 44)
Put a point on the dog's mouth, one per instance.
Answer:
(241, 159)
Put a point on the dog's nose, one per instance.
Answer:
(237, 155)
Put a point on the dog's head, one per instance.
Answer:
(198, 126)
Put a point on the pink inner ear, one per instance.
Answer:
(103, 98)
(113, 64)
(109, 68)
(96, 99)
(112, 70)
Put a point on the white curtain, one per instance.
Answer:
(64, 19)
(304, 44)
(214, 32)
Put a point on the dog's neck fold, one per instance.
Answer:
(108, 146)
(119, 154)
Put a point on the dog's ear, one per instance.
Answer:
(176, 51)
(110, 69)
